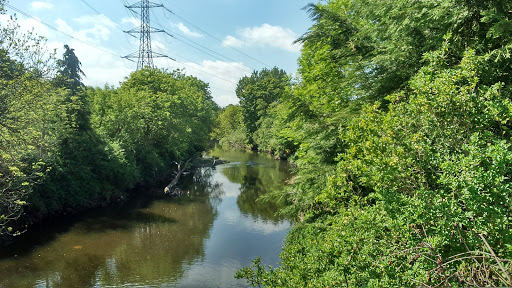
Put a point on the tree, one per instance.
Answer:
(30, 119)
(55, 155)
(230, 128)
(70, 70)
(155, 117)
(257, 92)
(69, 76)
(401, 118)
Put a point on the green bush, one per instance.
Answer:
(420, 197)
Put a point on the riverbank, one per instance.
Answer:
(31, 219)
(199, 240)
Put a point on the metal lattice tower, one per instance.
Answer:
(145, 54)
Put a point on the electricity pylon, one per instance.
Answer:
(145, 54)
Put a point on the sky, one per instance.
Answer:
(217, 41)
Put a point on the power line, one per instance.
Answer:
(216, 57)
(108, 52)
(203, 71)
(205, 32)
(182, 40)
(204, 47)
(130, 13)
(158, 54)
(90, 6)
(58, 30)
(229, 63)
(213, 75)
(134, 13)
(209, 84)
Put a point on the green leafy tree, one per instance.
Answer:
(81, 174)
(30, 113)
(410, 189)
(230, 128)
(29, 128)
(257, 92)
(430, 196)
(155, 117)
(69, 76)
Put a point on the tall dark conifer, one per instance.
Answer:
(70, 71)
(69, 77)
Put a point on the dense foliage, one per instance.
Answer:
(65, 146)
(154, 118)
(30, 112)
(256, 93)
(230, 129)
(251, 124)
(399, 126)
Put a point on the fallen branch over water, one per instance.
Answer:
(169, 188)
(196, 163)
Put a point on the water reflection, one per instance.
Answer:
(199, 240)
(258, 175)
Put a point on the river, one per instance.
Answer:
(196, 240)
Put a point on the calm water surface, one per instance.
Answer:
(199, 240)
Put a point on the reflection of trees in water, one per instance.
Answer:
(202, 184)
(252, 188)
(257, 180)
(144, 246)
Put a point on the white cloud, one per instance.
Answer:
(233, 42)
(131, 20)
(63, 26)
(264, 35)
(216, 73)
(105, 69)
(104, 65)
(99, 66)
(96, 28)
(158, 45)
(185, 30)
(38, 5)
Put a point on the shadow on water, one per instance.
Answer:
(49, 230)
(130, 245)
(134, 218)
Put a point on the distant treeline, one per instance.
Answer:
(65, 146)
(399, 123)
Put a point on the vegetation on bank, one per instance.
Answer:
(65, 146)
(399, 125)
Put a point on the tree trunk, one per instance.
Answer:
(169, 188)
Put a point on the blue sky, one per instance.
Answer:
(218, 41)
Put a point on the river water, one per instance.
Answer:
(199, 240)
